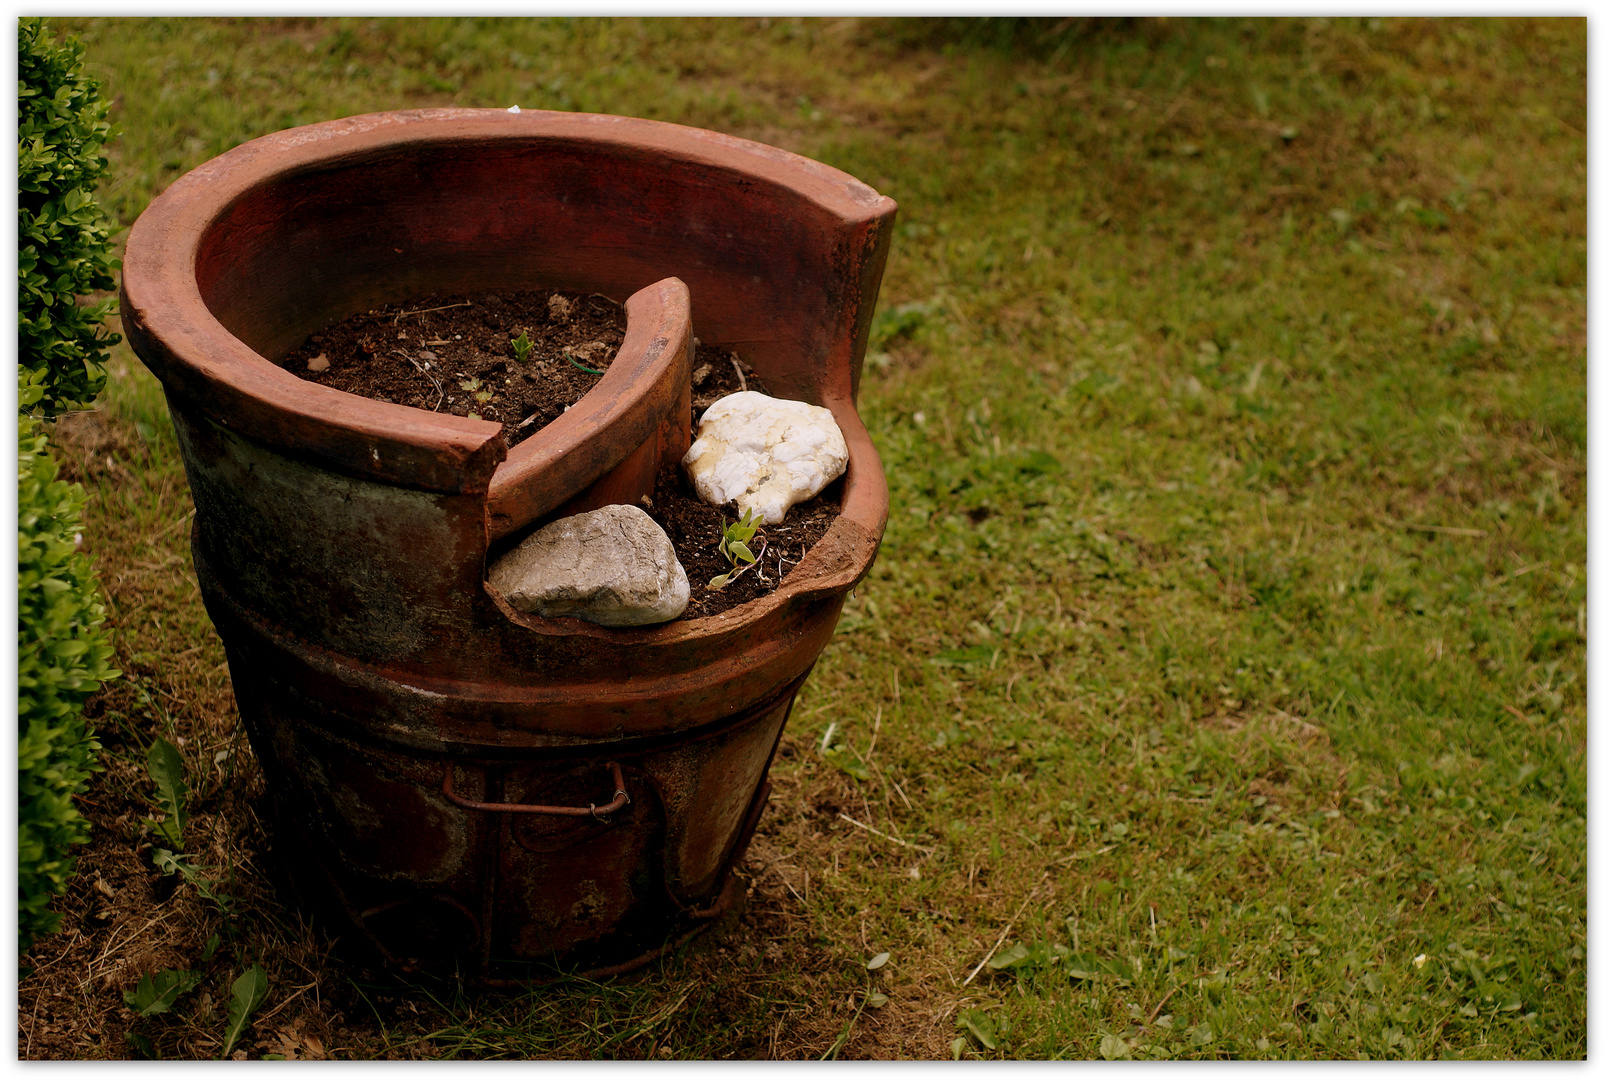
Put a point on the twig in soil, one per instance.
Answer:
(662, 1015)
(1001, 937)
(893, 839)
(1161, 1005)
(425, 372)
(108, 950)
(77, 937)
(34, 1020)
(736, 363)
(1083, 855)
(280, 1006)
(169, 528)
(420, 311)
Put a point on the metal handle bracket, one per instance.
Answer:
(621, 799)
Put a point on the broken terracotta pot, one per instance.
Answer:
(473, 788)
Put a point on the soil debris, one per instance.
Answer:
(519, 359)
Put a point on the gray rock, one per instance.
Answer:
(614, 566)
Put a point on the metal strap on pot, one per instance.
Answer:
(621, 799)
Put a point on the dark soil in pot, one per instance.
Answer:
(694, 527)
(455, 353)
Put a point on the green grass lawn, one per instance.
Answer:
(1224, 663)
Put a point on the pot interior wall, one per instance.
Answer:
(311, 246)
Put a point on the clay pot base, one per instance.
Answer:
(379, 354)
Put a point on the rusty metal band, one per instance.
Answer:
(621, 799)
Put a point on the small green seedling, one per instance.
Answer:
(478, 389)
(167, 772)
(247, 992)
(521, 346)
(733, 546)
(156, 993)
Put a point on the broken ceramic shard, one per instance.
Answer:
(614, 567)
(764, 454)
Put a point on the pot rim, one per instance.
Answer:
(176, 333)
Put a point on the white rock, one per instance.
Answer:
(765, 454)
(614, 566)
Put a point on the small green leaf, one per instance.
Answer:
(741, 551)
(856, 769)
(141, 1044)
(979, 1025)
(719, 582)
(156, 994)
(876, 1000)
(167, 772)
(960, 1045)
(522, 345)
(249, 990)
(210, 950)
(1114, 1048)
(1009, 957)
(877, 961)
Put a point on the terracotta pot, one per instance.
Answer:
(435, 755)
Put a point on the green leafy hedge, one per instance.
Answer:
(63, 238)
(61, 659)
(63, 251)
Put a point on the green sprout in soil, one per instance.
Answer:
(478, 389)
(733, 546)
(522, 345)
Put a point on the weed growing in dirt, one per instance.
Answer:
(733, 546)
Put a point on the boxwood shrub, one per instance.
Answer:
(63, 238)
(62, 658)
(62, 652)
